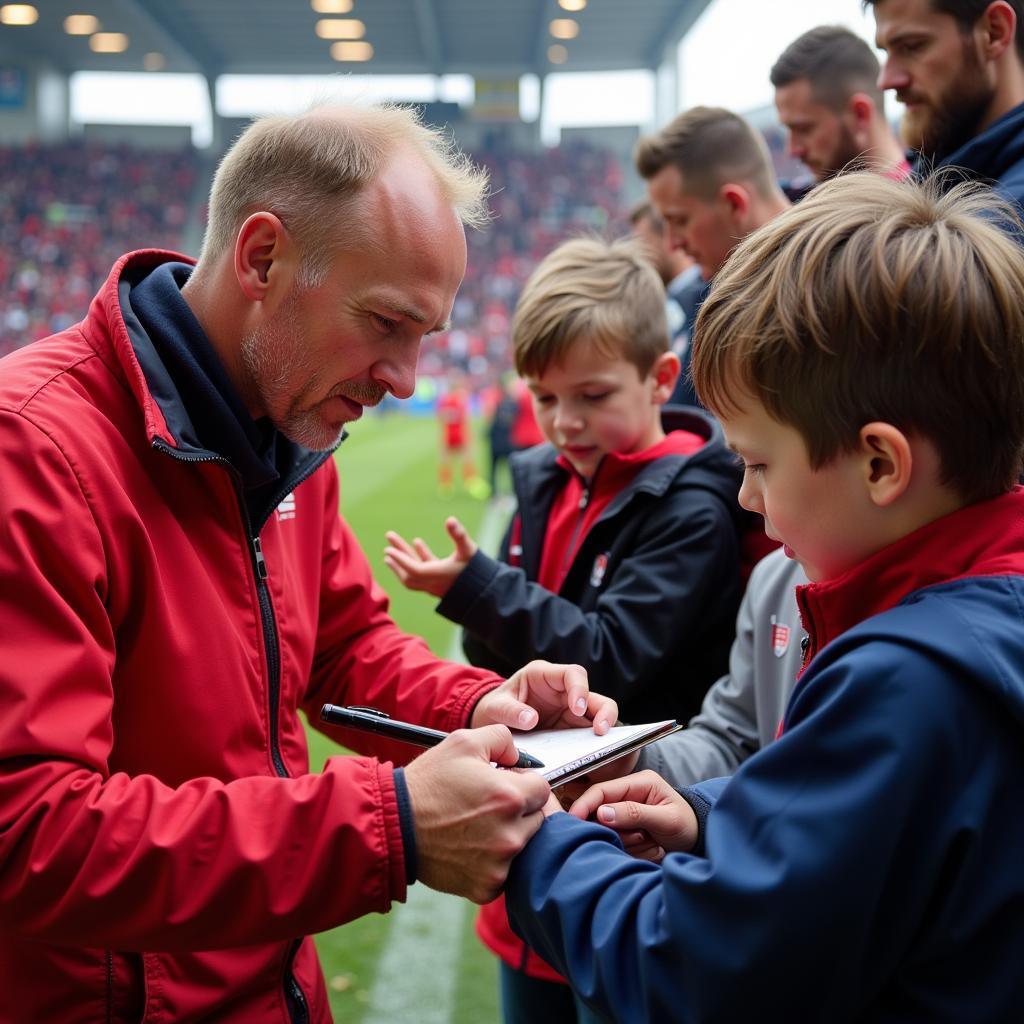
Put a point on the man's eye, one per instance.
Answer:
(383, 322)
(756, 469)
(599, 397)
(543, 399)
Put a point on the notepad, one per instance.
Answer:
(569, 753)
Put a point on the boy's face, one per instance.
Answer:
(590, 404)
(824, 517)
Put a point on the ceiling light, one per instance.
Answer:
(18, 14)
(108, 42)
(333, 6)
(351, 51)
(154, 61)
(558, 54)
(340, 28)
(572, 5)
(564, 28)
(81, 24)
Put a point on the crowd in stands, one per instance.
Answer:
(67, 212)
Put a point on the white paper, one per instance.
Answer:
(567, 750)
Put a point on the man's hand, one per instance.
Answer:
(471, 818)
(652, 819)
(548, 696)
(418, 568)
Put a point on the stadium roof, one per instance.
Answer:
(488, 38)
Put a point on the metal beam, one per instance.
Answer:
(430, 34)
(167, 21)
(542, 40)
(675, 27)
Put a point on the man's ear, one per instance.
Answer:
(860, 109)
(998, 29)
(888, 462)
(737, 200)
(665, 373)
(265, 257)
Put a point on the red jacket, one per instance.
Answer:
(155, 863)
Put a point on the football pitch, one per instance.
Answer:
(421, 962)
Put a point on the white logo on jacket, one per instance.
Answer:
(286, 510)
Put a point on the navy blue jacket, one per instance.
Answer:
(867, 866)
(653, 627)
(996, 155)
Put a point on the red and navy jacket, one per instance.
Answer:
(164, 849)
(866, 866)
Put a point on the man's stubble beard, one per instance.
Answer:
(274, 355)
(938, 129)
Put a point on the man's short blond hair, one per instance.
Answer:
(310, 169)
(879, 300)
(711, 147)
(605, 294)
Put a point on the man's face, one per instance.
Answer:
(936, 71)
(705, 230)
(817, 135)
(328, 351)
(821, 516)
(590, 404)
(669, 263)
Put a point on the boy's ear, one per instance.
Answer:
(266, 258)
(888, 462)
(665, 373)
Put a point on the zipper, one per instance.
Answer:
(298, 1008)
(110, 986)
(296, 1000)
(570, 551)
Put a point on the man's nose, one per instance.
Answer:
(892, 76)
(398, 372)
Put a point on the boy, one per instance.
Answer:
(865, 353)
(623, 555)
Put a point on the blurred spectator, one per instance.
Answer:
(67, 212)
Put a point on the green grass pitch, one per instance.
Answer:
(388, 470)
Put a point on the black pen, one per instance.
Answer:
(372, 720)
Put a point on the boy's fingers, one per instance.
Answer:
(422, 550)
(398, 542)
(465, 548)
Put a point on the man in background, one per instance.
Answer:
(710, 178)
(684, 285)
(830, 103)
(958, 67)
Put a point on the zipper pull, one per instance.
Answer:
(584, 498)
(261, 564)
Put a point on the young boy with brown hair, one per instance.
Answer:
(865, 355)
(623, 555)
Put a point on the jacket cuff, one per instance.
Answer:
(701, 808)
(468, 586)
(407, 824)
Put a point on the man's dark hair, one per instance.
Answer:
(967, 12)
(835, 61)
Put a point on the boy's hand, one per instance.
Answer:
(418, 568)
(652, 819)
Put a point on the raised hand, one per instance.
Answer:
(418, 568)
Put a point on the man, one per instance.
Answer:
(710, 178)
(829, 102)
(682, 278)
(177, 583)
(958, 66)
